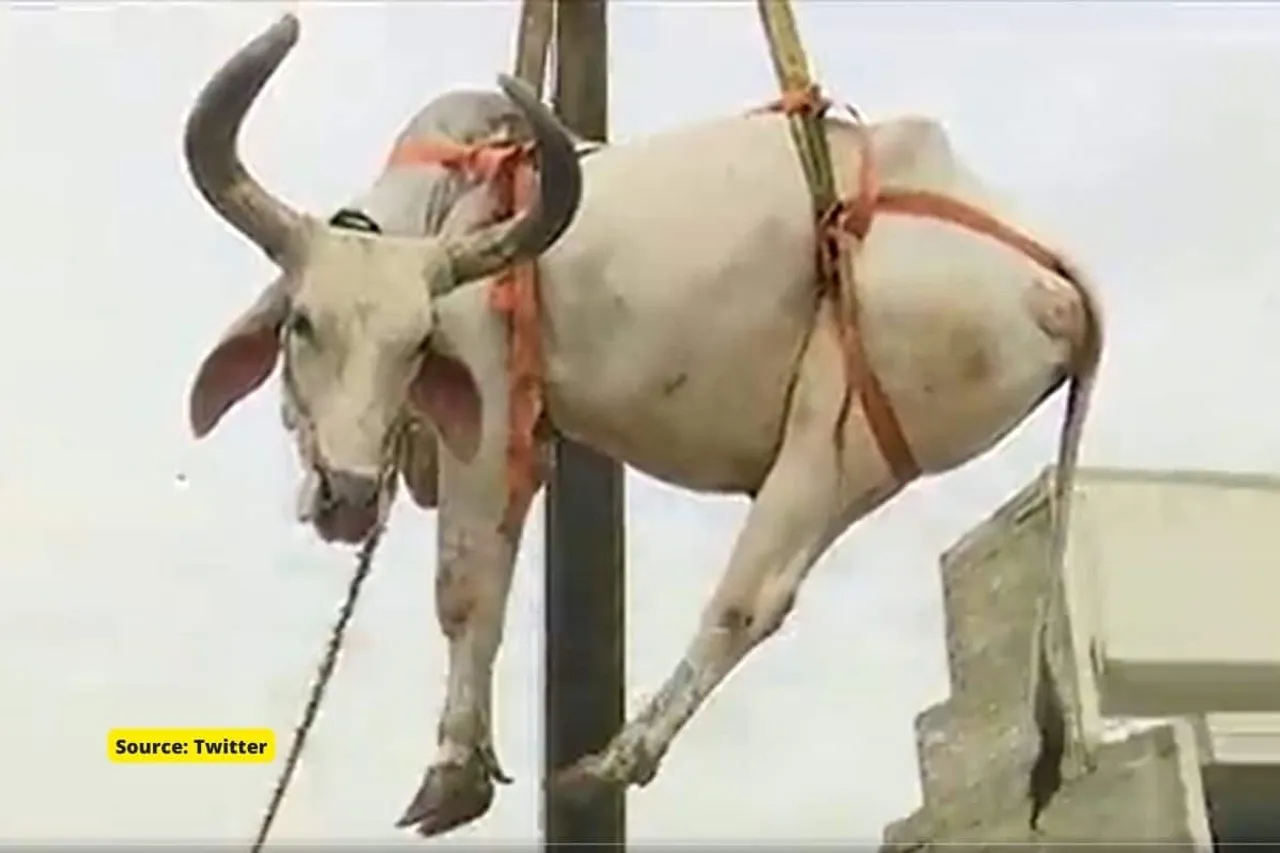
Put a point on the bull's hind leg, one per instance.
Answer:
(813, 492)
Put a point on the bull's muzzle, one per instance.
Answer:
(342, 506)
(354, 490)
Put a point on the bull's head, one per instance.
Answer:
(351, 311)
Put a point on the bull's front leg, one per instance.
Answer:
(472, 583)
(478, 541)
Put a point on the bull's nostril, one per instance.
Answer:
(352, 489)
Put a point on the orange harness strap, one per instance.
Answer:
(508, 169)
(854, 217)
(484, 161)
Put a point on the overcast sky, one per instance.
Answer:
(1145, 136)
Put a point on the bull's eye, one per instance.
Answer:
(300, 326)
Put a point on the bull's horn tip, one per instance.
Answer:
(288, 26)
(508, 82)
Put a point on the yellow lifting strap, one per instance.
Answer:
(792, 69)
(805, 108)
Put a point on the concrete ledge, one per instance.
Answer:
(989, 535)
(961, 744)
(992, 580)
(1144, 789)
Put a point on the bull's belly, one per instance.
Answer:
(698, 403)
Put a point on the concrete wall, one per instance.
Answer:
(1007, 746)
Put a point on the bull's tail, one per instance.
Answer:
(1046, 776)
(1079, 397)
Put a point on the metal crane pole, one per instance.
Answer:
(585, 588)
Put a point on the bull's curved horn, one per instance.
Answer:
(489, 249)
(212, 142)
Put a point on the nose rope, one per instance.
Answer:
(337, 635)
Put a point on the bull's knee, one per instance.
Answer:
(747, 622)
(775, 607)
(455, 599)
(466, 587)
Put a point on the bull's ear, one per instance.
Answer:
(444, 393)
(241, 361)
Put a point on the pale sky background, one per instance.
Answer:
(1146, 136)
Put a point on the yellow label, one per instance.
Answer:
(191, 746)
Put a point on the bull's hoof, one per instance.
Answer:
(450, 795)
(584, 781)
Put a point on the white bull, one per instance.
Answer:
(680, 336)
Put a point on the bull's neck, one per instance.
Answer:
(410, 201)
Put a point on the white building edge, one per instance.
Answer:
(1164, 653)
(1172, 585)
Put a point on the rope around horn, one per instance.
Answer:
(329, 662)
